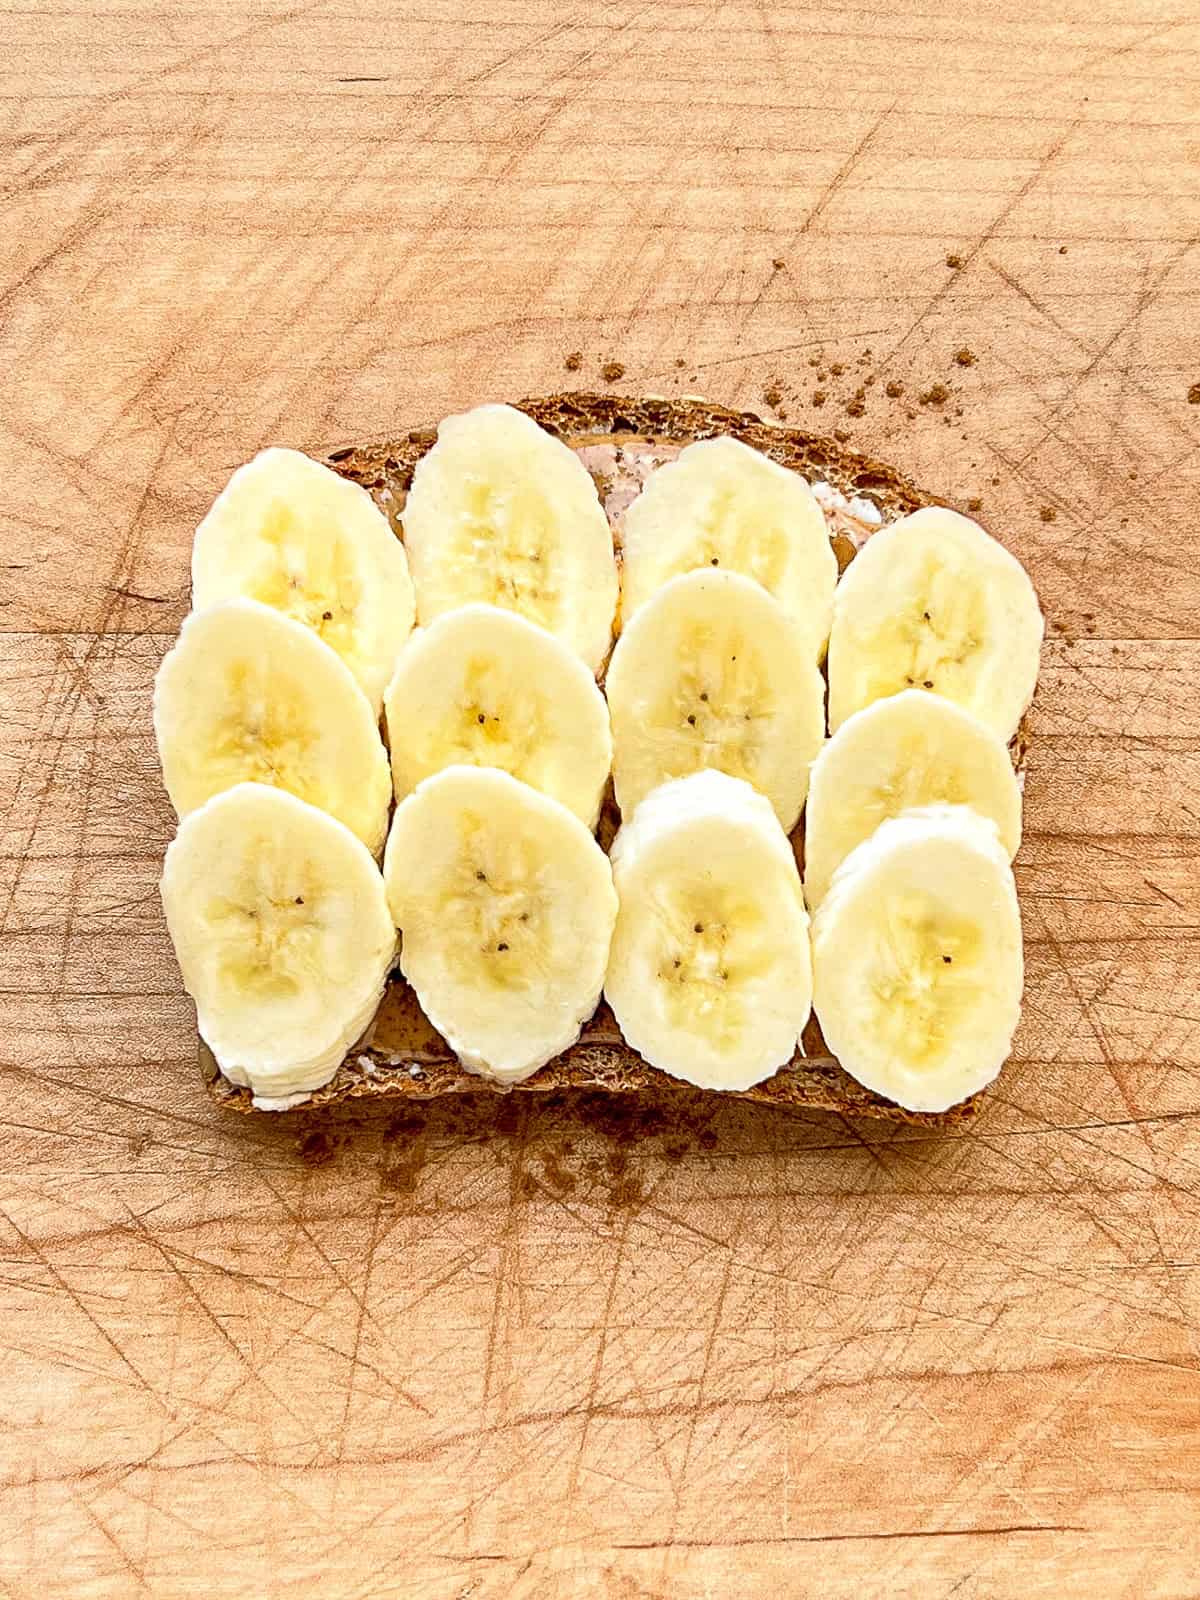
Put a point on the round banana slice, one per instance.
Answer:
(501, 511)
(722, 504)
(281, 928)
(710, 977)
(917, 962)
(710, 672)
(484, 687)
(912, 749)
(505, 906)
(932, 602)
(249, 695)
(289, 532)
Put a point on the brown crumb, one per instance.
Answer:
(773, 395)
(680, 362)
(841, 435)
(856, 407)
(974, 503)
(821, 374)
(965, 357)
(837, 369)
(936, 395)
(778, 263)
(954, 261)
(782, 414)
(995, 483)
(818, 397)
(911, 415)
(866, 351)
(958, 411)
(869, 379)
(611, 371)
(574, 361)
(1047, 513)
(1194, 395)
(814, 361)
(1062, 249)
(893, 389)
(1133, 474)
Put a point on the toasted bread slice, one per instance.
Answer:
(620, 440)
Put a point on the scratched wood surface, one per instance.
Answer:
(552, 1350)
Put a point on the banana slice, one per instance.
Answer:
(917, 964)
(249, 695)
(501, 511)
(932, 602)
(485, 687)
(291, 533)
(912, 749)
(710, 976)
(710, 672)
(280, 924)
(505, 905)
(722, 504)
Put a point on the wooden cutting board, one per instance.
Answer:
(556, 1349)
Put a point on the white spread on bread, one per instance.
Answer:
(620, 470)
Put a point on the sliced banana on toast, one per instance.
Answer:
(502, 512)
(249, 695)
(917, 961)
(505, 905)
(484, 687)
(710, 976)
(289, 532)
(722, 505)
(911, 749)
(282, 931)
(933, 602)
(711, 673)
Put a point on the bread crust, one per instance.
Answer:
(403, 1058)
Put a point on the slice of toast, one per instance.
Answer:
(620, 440)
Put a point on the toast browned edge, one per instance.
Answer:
(424, 1066)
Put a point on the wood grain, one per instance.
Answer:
(542, 1350)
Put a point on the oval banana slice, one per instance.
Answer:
(502, 512)
(721, 504)
(917, 961)
(505, 906)
(933, 602)
(710, 976)
(289, 532)
(484, 687)
(282, 932)
(248, 695)
(710, 673)
(912, 749)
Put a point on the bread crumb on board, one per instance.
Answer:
(965, 357)
(1047, 513)
(611, 371)
(936, 395)
(954, 261)
(573, 361)
(1194, 395)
